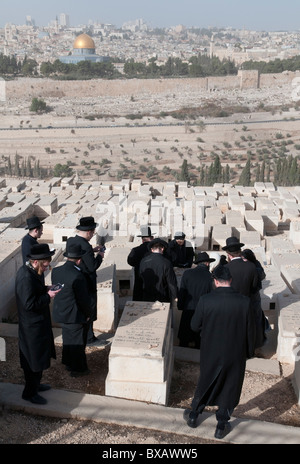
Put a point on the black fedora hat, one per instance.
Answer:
(40, 251)
(87, 223)
(157, 241)
(203, 258)
(74, 251)
(145, 232)
(33, 223)
(221, 272)
(232, 244)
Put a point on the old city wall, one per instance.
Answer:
(115, 88)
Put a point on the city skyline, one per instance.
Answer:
(257, 15)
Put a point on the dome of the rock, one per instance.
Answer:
(84, 41)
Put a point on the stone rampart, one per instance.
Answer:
(48, 88)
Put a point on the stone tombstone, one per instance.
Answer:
(142, 354)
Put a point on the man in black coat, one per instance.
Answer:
(157, 273)
(89, 265)
(194, 283)
(180, 251)
(71, 308)
(244, 273)
(134, 258)
(35, 231)
(224, 322)
(36, 343)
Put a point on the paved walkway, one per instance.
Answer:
(67, 404)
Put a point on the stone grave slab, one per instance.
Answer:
(142, 353)
(107, 299)
(288, 327)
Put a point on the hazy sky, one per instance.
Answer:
(251, 14)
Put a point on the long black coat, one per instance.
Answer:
(180, 255)
(224, 322)
(134, 258)
(159, 279)
(35, 331)
(89, 265)
(194, 283)
(27, 242)
(244, 276)
(72, 304)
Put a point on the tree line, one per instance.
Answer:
(11, 67)
(274, 66)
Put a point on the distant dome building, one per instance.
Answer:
(83, 50)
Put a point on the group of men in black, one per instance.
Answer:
(221, 313)
(221, 310)
(74, 290)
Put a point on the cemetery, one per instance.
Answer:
(265, 218)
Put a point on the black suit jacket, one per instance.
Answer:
(27, 243)
(134, 258)
(89, 262)
(194, 283)
(159, 279)
(244, 276)
(72, 304)
(180, 255)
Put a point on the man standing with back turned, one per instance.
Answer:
(223, 319)
(89, 265)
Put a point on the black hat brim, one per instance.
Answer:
(234, 247)
(74, 255)
(86, 228)
(34, 226)
(42, 256)
(209, 260)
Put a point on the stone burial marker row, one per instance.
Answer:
(142, 353)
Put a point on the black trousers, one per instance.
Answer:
(74, 343)
(32, 379)
(222, 414)
(93, 316)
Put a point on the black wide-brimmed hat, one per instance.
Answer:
(179, 236)
(33, 223)
(145, 232)
(87, 223)
(221, 272)
(40, 251)
(74, 251)
(203, 258)
(157, 241)
(232, 244)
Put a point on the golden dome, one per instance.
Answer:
(84, 41)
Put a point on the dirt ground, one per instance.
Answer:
(264, 397)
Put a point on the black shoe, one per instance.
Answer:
(36, 399)
(44, 387)
(79, 373)
(191, 418)
(92, 340)
(221, 433)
